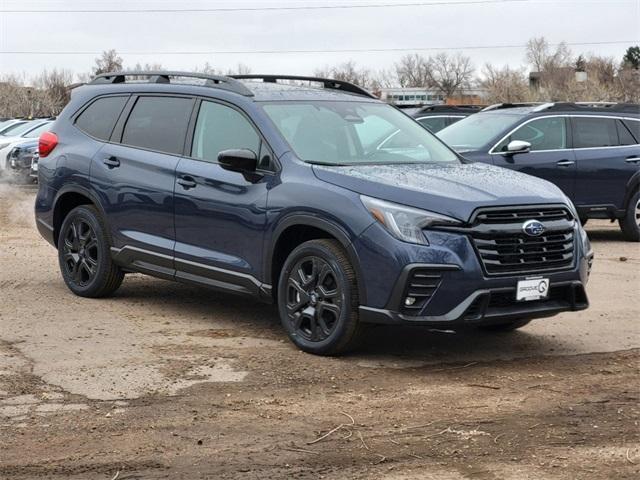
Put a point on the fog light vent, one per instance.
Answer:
(421, 285)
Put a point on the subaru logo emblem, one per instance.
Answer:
(533, 228)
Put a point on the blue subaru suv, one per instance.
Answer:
(271, 187)
(590, 151)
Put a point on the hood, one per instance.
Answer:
(453, 190)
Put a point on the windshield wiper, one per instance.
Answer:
(328, 164)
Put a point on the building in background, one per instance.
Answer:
(418, 97)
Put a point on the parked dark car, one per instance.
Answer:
(437, 117)
(590, 151)
(21, 161)
(255, 186)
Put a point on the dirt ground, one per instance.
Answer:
(170, 381)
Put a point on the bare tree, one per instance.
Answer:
(541, 57)
(412, 70)
(46, 94)
(504, 84)
(240, 69)
(449, 73)
(628, 85)
(382, 79)
(207, 68)
(109, 61)
(147, 67)
(347, 72)
(555, 68)
(52, 88)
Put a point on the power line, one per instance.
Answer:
(346, 50)
(285, 8)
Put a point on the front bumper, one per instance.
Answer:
(489, 306)
(459, 292)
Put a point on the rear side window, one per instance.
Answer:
(543, 134)
(624, 134)
(158, 123)
(222, 128)
(594, 132)
(634, 128)
(99, 118)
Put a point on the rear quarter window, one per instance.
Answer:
(624, 134)
(634, 128)
(99, 118)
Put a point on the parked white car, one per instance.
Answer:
(24, 133)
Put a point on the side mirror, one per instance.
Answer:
(238, 160)
(518, 146)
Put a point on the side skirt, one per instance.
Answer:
(171, 268)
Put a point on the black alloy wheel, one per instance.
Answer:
(80, 251)
(318, 298)
(314, 299)
(84, 254)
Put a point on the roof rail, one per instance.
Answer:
(161, 76)
(589, 107)
(326, 82)
(500, 106)
(451, 108)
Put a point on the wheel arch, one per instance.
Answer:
(66, 200)
(297, 229)
(633, 185)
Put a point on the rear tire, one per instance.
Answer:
(504, 327)
(318, 298)
(84, 254)
(630, 223)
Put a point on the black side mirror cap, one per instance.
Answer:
(240, 160)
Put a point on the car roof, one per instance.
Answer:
(263, 92)
(566, 108)
(253, 87)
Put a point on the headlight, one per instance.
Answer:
(584, 238)
(405, 223)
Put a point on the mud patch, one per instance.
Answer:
(220, 372)
(214, 333)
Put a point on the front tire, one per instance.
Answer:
(84, 254)
(318, 298)
(630, 223)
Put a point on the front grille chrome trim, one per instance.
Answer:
(503, 248)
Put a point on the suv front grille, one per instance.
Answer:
(504, 248)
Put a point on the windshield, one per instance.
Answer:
(19, 130)
(351, 133)
(45, 127)
(477, 130)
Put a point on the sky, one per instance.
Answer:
(288, 37)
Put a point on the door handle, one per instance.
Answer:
(186, 182)
(111, 162)
(632, 159)
(565, 163)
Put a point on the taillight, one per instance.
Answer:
(46, 143)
